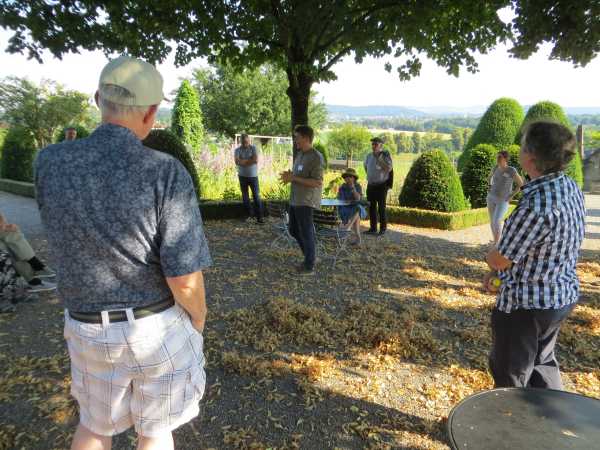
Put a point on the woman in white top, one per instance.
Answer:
(501, 182)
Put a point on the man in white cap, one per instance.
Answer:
(125, 232)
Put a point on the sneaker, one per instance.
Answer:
(381, 232)
(370, 232)
(37, 285)
(304, 271)
(46, 272)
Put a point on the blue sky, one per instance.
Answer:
(527, 81)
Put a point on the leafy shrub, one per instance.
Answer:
(318, 146)
(442, 220)
(513, 159)
(82, 132)
(18, 154)
(498, 127)
(166, 142)
(552, 112)
(575, 170)
(475, 177)
(433, 184)
(3, 132)
(187, 117)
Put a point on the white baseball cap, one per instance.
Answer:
(140, 78)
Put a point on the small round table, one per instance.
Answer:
(524, 418)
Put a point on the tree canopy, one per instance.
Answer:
(349, 141)
(41, 109)
(252, 100)
(306, 38)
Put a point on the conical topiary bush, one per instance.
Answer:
(167, 142)
(497, 127)
(432, 183)
(475, 177)
(552, 112)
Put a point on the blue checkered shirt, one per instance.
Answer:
(542, 238)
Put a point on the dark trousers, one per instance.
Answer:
(302, 229)
(377, 196)
(523, 347)
(252, 183)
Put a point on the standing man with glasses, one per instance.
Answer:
(378, 165)
(536, 259)
(246, 160)
(125, 232)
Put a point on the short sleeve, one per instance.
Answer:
(183, 245)
(316, 170)
(523, 230)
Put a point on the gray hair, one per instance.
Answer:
(111, 109)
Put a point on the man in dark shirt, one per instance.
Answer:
(536, 259)
(125, 233)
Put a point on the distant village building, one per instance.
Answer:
(591, 172)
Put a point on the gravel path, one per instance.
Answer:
(371, 355)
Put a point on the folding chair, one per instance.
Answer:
(279, 212)
(329, 228)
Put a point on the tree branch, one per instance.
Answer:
(335, 59)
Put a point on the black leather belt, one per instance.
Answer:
(121, 315)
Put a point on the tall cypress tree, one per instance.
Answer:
(186, 121)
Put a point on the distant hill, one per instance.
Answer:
(372, 111)
(348, 112)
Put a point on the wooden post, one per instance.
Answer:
(580, 141)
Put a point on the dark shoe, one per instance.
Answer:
(45, 272)
(370, 232)
(381, 232)
(303, 270)
(260, 220)
(37, 285)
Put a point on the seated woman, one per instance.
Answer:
(351, 214)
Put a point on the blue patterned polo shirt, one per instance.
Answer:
(119, 218)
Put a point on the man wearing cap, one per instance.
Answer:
(378, 166)
(125, 233)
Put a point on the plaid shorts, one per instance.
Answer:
(147, 372)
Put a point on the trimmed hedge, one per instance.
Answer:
(82, 132)
(186, 119)
(498, 127)
(441, 220)
(475, 178)
(513, 159)
(167, 142)
(575, 170)
(225, 210)
(433, 184)
(22, 188)
(18, 154)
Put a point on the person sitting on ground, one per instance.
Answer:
(350, 215)
(13, 288)
(536, 259)
(26, 263)
(501, 192)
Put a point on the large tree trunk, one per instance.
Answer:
(299, 93)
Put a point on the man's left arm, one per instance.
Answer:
(385, 161)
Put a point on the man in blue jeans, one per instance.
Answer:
(246, 160)
(306, 179)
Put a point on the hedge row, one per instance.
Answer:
(21, 188)
(434, 219)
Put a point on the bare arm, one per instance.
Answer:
(189, 293)
(496, 261)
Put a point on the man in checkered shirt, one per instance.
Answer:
(536, 259)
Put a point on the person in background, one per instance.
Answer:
(246, 160)
(129, 255)
(501, 192)
(350, 215)
(536, 261)
(13, 288)
(306, 179)
(24, 259)
(378, 166)
(70, 134)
